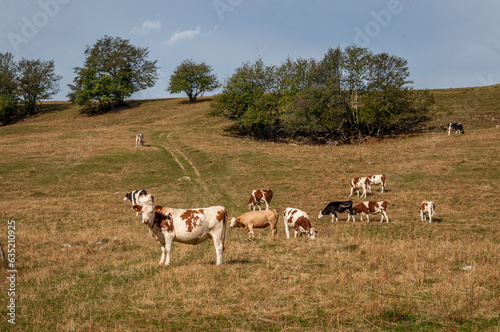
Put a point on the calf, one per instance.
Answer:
(366, 208)
(259, 196)
(297, 219)
(256, 219)
(357, 183)
(457, 127)
(334, 207)
(139, 140)
(427, 207)
(191, 226)
(376, 179)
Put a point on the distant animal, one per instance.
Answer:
(457, 127)
(298, 220)
(427, 207)
(139, 140)
(367, 208)
(191, 226)
(377, 179)
(360, 183)
(256, 219)
(259, 196)
(334, 207)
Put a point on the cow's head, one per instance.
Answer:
(312, 233)
(321, 215)
(233, 222)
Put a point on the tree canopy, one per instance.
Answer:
(113, 70)
(193, 78)
(347, 96)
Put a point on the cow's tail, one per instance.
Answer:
(224, 231)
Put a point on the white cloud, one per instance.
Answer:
(147, 26)
(183, 35)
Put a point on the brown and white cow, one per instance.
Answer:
(376, 179)
(367, 208)
(256, 219)
(427, 207)
(139, 140)
(191, 226)
(298, 220)
(360, 183)
(259, 196)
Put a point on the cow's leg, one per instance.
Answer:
(274, 231)
(250, 232)
(430, 217)
(296, 233)
(384, 214)
(169, 238)
(421, 215)
(368, 217)
(219, 247)
(267, 205)
(287, 230)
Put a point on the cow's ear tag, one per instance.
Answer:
(158, 208)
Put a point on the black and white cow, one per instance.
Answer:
(334, 207)
(135, 197)
(457, 127)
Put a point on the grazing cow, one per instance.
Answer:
(139, 140)
(297, 219)
(334, 207)
(191, 226)
(256, 219)
(366, 208)
(357, 183)
(376, 179)
(259, 196)
(457, 127)
(427, 207)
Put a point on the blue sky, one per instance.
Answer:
(448, 43)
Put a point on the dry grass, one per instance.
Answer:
(64, 175)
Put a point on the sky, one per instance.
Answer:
(448, 43)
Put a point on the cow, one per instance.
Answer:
(357, 183)
(366, 208)
(297, 219)
(457, 127)
(191, 226)
(376, 179)
(259, 196)
(135, 197)
(427, 207)
(256, 219)
(334, 207)
(139, 140)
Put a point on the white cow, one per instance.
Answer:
(427, 207)
(360, 183)
(139, 140)
(298, 220)
(191, 226)
(377, 179)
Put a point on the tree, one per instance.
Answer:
(192, 78)
(37, 82)
(8, 87)
(113, 70)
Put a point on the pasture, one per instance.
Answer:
(85, 261)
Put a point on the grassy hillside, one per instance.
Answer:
(85, 261)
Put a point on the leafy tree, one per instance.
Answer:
(8, 87)
(113, 70)
(37, 82)
(192, 78)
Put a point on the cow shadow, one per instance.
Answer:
(236, 262)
